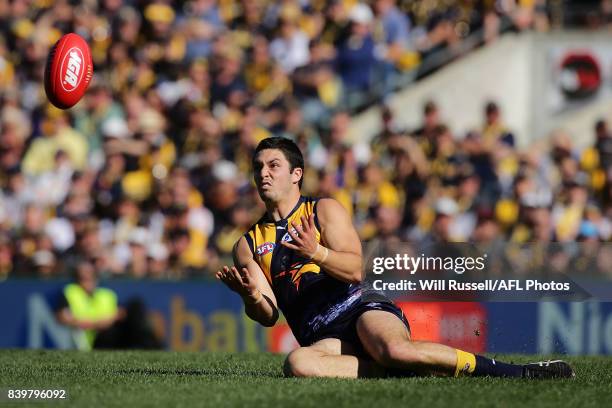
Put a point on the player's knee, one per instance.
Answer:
(300, 363)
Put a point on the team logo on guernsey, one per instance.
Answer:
(265, 248)
(287, 237)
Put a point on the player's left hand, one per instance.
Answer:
(304, 238)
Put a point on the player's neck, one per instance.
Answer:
(280, 209)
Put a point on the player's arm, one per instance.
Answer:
(340, 249)
(247, 279)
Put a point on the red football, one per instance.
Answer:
(68, 71)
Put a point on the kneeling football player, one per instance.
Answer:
(304, 258)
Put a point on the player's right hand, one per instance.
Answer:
(240, 282)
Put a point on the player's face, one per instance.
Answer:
(273, 176)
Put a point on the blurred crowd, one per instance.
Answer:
(548, 203)
(149, 175)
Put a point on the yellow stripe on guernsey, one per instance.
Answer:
(264, 238)
(101, 305)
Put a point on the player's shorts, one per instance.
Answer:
(344, 326)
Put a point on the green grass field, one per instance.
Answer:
(170, 379)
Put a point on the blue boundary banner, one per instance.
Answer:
(204, 315)
(190, 315)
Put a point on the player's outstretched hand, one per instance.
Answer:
(240, 282)
(304, 238)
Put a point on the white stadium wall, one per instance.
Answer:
(523, 74)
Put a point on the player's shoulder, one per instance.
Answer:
(244, 249)
(327, 206)
(319, 201)
(247, 240)
(328, 211)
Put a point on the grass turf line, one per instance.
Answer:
(173, 379)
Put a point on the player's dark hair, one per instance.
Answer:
(290, 150)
